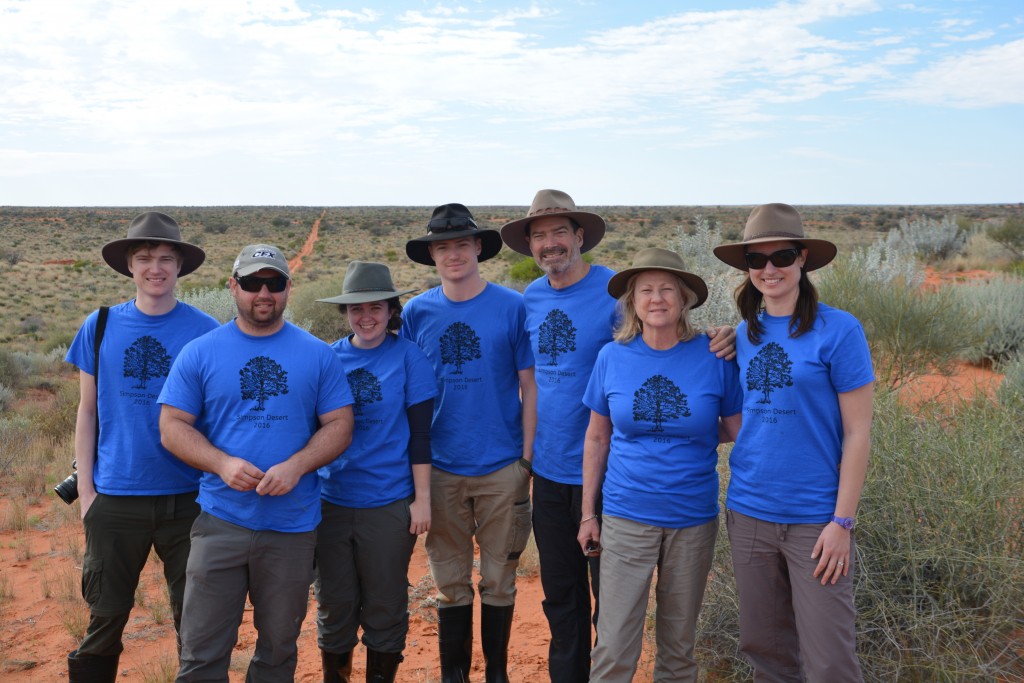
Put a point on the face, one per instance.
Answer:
(780, 287)
(456, 259)
(369, 322)
(554, 243)
(260, 309)
(657, 299)
(155, 270)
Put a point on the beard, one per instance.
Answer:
(563, 261)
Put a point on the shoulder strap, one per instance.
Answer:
(101, 325)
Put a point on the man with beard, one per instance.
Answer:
(257, 405)
(569, 317)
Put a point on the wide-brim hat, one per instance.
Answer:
(658, 259)
(152, 226)
(553, 203)
(366, 282)
(450, 222)
(774, 223)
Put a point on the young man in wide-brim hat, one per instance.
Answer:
(482, 437)
(134, 495)
(569, 317)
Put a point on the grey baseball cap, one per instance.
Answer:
(256, 257)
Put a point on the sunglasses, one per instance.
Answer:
(253, 284)
(446, 224)
(780, 259)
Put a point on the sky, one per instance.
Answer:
(290, 102)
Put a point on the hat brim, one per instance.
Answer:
(365, 297)
(819, 252)
(116, 254)
(514, 232)
(619, 283)
(490, 244)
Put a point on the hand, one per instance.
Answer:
(723, 341)
(832, 551)
(589, 537)
(85, 499)
(419, 517)
(280, 479)
(239, 474)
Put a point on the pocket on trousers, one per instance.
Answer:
(522, 524)
(92, 579)
(741, 537)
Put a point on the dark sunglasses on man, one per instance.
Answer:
(253, 284)
(780, 259)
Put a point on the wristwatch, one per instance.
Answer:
(845, 522)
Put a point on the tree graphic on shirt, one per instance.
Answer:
(556, 335)
(365, 388)
(459, 345)
(145, 359)
(769, 370)
(261, 379)
(659, 399)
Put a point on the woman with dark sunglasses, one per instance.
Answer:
(375, 495)
(798, 465)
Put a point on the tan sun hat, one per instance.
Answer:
(658, 259)
(774, 223)
(152, 226)
(366, 282)
(553, 203)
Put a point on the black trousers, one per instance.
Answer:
(568, 578)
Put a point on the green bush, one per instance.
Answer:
(930, 239)
(998, 320)
(1011, 235)
(524, 270)
(322, 320)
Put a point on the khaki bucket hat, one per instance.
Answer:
(553, 203)
(365, 282)
(152, 226)
(658, 259)
(772, 223)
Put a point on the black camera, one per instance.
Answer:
(68, 489)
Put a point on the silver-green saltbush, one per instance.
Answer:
(722, 280)
(1011, 389)
(998, 305)
(930, 239)
(216, 302)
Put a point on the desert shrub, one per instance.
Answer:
(886, 261)
(941, 581)
(57, 420)
(930, 239)
(15, 437)
(1011, 389)
(525, 269)
(216, 302)
(695, 249)
(998, 305)
(12, 371)
(910, 331)
(322, 320)
(1010, 235)
(7, 397)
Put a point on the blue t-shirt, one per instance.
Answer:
(258, 398)
(477, 349)
(664, 408)
(375, 469)
(784, 467)
(135, 356)
(567, 329)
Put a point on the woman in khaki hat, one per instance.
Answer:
(799, 461)
(658, 400)
(375, 495)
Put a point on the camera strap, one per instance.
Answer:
(101, 326)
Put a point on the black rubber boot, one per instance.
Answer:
(455, 638)
(382, 667)
(92, 668)
(495, 630)
(337, 667)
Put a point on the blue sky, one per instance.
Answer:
(232, 102)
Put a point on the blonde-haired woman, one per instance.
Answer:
(658, 400)
(798, 466)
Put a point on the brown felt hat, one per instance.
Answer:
(366, 282)
(773, 223)
(152, 226)
(553, 203)
(658, 259)
(450, 222)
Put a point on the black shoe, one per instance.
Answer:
(382, 667)
(92, 668)
(337, 667)
(495, 630)
(455, 639)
